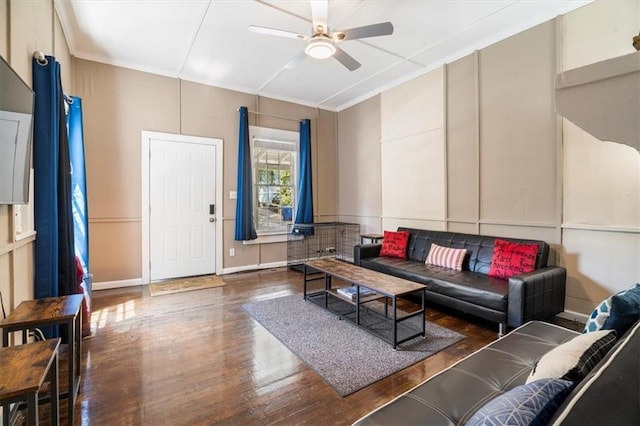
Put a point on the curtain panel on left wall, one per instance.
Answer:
(54, 246)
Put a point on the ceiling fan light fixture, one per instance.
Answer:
(320, 48)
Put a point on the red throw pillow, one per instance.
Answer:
(395, 244)
(512, 259)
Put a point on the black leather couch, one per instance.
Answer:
(533, 296)
(609, 395)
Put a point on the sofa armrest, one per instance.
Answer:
(363, 251)
(537, 295)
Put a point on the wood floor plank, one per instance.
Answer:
(198, 358)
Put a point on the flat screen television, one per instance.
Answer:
(16, 122)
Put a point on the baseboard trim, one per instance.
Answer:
(245, 268)
(573, 316)
(106, 285)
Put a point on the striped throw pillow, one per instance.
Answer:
(446, 257)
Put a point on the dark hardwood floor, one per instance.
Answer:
(197, 358)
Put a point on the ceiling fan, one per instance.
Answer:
(323, 43)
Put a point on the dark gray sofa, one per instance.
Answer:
(609, 395)
(533, 296)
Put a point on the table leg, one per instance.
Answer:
(304, 281)
(358, 304)
(395, 323)
(55, 395)
(5, 338)
(32, 409)
(327, 286)
(423, 313)
(5, 413)
(71, 396)
(78, 344)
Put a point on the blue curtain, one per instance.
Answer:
(245, 226)
(79, 200)
(78, 182)
(304, 212)
(54, 245)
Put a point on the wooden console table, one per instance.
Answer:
(384, 285)
(63, 310)
(23, 370)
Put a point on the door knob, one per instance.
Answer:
(212, 219)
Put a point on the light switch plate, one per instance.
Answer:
(233, 195)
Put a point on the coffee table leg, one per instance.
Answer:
(304, 281)
(357, 304)
(395, 323)
(423, 313)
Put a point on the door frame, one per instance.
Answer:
(145, 213)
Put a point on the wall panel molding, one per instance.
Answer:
(114, 219)
(601, 228)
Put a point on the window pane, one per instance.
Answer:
(261, 176)
(285, 177)
(274, 189)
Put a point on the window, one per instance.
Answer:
(274, 155)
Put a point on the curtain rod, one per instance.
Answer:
(272, 116)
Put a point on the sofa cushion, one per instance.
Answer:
(530, 404)
(617, 316)
(609, 394)
(446, 257)
(625, 310)
(598, 316)
(452, 396)
(511, 259)
(395, 244)
(574, 359)
(480, 247)
(468, 286)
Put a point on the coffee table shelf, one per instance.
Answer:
(385, 324)
(363, 299)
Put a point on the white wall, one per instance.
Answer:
(601, 203)
(476, 146)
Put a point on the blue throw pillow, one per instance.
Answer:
(599, 316)
(625, 310)
(530, 404)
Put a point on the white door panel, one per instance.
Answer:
(181, 230)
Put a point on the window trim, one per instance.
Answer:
(266, 135)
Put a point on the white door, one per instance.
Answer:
(182, 209)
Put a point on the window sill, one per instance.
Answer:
(24, 235)
(268, 239)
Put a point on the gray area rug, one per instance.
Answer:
(345, 356)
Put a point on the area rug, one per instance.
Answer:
(345, 356)
(185, 284)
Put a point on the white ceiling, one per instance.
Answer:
(207, 41)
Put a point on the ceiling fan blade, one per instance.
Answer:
(279, 33)
(319, 12)
(375, 30)
(345, 59)
(297, 60)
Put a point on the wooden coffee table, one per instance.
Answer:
(385, 287)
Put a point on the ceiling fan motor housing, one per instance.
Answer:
(320, 47)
